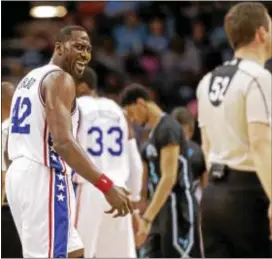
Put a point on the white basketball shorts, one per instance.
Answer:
(42, 203)
(102, 235)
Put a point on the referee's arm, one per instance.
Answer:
(258, 111)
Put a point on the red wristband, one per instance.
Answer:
(104, 183)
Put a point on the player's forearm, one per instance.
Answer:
(77, 159)
(161, 194)
(261, 152)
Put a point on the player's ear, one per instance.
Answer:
(59, 48)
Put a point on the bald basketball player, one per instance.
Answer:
(42, 147)
(234, 102)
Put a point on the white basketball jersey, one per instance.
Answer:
(103, 133)
(29, 135)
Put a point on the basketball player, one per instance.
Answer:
(10, 242)
(108, 139)
(44, 118)
(234, 103)
(7, 90)
(172, 213)
(195, 154)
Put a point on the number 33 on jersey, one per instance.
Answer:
(103, 133)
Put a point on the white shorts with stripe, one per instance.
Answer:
(42, 203)
(102, 235)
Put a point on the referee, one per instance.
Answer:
(234, 102)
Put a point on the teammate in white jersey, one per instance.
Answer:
(107, 138)
(44, 121)
(235, 120)
(11, 245)
(7, 91)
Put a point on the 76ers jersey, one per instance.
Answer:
(29, 134)
(103, 133)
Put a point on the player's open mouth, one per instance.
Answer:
(80, 66)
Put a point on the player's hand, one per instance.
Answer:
(270, 219)
(117, 197)
(143, 231)
(135, 223)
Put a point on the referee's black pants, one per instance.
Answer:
(10, 241)
(234, 216)
(175, 231)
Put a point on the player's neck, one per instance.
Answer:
(250, 52)
(155, 114)
(55, 61)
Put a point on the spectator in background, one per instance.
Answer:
(32, 57)
(130, 36)
(89, 23)
(150, 63)
(117, 8)
(199, 38)
(91, 8)
(107, 56)
(156, 40)
(181, 57)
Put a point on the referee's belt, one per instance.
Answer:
(219, 172)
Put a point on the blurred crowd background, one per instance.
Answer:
(166, 46)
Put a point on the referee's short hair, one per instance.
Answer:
(243, 20)
(183, 116)
(133, 92)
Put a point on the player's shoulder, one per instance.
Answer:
(195, 147)
(168, 123)
(110, 105)
(86, 103)
(41, 71)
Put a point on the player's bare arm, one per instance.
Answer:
(144, 191)
(59, 93)
(169, 169)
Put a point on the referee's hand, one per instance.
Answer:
(270, 219)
